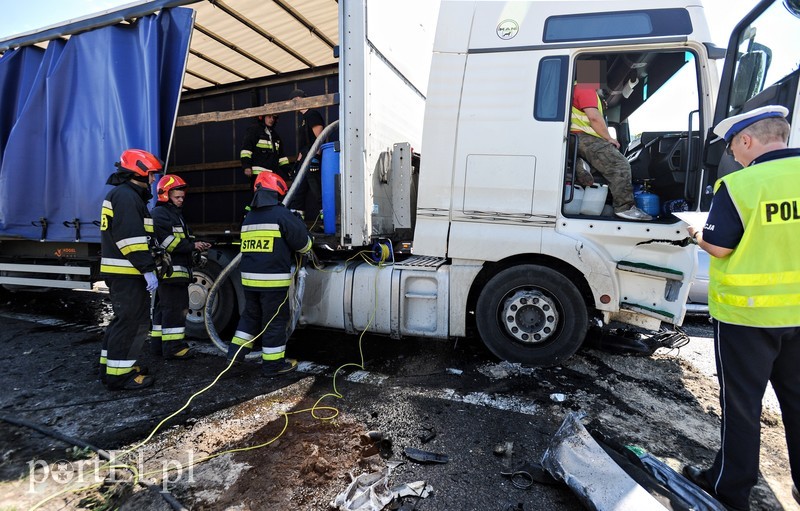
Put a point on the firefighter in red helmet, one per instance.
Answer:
(128, 267)
(271, 234)
(167, 336)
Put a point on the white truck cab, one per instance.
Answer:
(496, 244)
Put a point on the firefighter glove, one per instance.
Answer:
(152, 281)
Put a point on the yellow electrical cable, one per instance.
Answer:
(384, 256)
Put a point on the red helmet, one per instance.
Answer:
(271, 181)
(167, 183)
(139, 162)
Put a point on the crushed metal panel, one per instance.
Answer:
(599, 483)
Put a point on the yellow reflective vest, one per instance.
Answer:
(758, 284)
(580, 121)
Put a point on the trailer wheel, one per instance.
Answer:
(222, 312)
(531, 314)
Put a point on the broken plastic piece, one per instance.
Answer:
(558, 398)
(425, 456)
(419, 489)
(451, 370)
(367, 492)
(574, 457)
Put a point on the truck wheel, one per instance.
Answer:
(531, 314)
(202, 280)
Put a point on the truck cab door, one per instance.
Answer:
(761, 68)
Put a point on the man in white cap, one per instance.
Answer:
(753, 234)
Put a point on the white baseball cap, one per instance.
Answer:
(729, 127)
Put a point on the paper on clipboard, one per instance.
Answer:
(696, 219)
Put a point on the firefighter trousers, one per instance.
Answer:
(127, 331)
(259, 309)
(169, 318)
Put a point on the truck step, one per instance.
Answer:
(649, 269)
(649, 311)
(421, 263)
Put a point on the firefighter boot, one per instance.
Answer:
(176, 350)
(134, 380)
(275, 368)
(237, 353)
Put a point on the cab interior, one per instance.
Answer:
(660, 137)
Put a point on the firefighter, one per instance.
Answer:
(271, 234)
(172, 297)
(129, 268)
(262, 150)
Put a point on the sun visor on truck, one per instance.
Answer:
(69, 112)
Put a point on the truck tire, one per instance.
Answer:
(531, 314)
(202, 280)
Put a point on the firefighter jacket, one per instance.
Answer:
(270, 236)
(174, 236)
(262, 150)
(125, 229)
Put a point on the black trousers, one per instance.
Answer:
(308, 197)
(747, 358)
(127, 331)
(259, 309)
(171, 305)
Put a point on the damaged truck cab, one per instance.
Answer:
(499, 242)
(456, 172)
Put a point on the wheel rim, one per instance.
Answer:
(530, 316)
(198, 293)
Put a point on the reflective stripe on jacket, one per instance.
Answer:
(174, 236)
(270, 236)
(125, 228)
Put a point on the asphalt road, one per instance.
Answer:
(446, 397)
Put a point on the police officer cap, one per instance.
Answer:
(729, 127)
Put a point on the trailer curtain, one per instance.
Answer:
(68, 112)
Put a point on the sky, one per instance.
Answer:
(20, 16)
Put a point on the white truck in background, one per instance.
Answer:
(456, 165)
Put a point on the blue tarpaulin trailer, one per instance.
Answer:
(70, 110)
(67, 113)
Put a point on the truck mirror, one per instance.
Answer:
(793, 6)
(750, 75)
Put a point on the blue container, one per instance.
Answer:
(330, 167)
(649, 203)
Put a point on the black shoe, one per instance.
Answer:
(796, 494)
(278, 368)
(135, 380)
(698, 477)
(181, 351)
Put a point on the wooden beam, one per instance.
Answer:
(270, 108)
(197, 167)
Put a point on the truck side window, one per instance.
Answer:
(551, 89)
